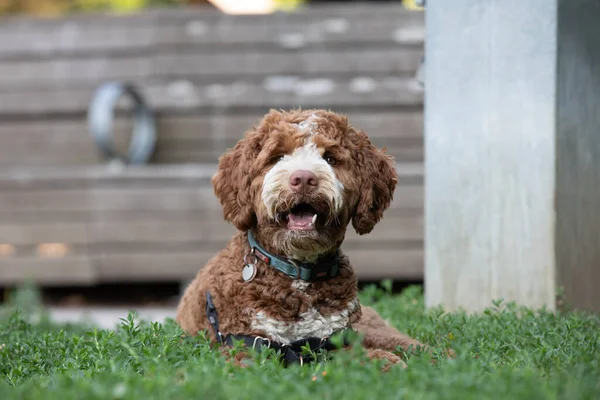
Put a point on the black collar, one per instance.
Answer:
(322, 269)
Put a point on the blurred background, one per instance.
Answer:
(108, 206)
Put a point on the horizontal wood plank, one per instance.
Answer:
(102, 202)
(196, 153)
(68, 233)
(174, 16)
(126, 267)
(98, 175)
(204, 67)
(92, 34)
(391, 91)
(407, 30)
(391, 228)
(119, 267)
(47, 271)
(374, 264)
(105, 176)
(359, 62)
(111, 267)
(184, 138)
(394, 228)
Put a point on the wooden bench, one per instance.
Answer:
(66, 217)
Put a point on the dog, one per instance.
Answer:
(291, 187)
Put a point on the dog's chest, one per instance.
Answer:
(310, 323)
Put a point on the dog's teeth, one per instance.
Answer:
(314, 219)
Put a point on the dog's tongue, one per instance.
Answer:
(303, 219)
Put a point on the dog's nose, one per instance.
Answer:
(303, 181)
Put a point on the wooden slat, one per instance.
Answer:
(47, 271)
(210, 16)
(326, 61)
(152, 266)
(43, 217)
(156, 198)
(47, 142)
(218, 126)
(59, 178)
(375, 264)
(215, 79)
(105, 176)
(45, 201)
(115, 267)
(181, 137)
(52, 74)
(95, 33)
(377, 123)
(393, 228)
(109, 199)
(162, 231)
(127, 42)
(178, 15)
(398, 263)
(315, 92)
(103, 202)
(68, 233)
(197, 153)
(55, 73)
(406, 30)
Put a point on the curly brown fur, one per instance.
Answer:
(255, 185)
(270, 292)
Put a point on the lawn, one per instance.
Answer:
(505, 353)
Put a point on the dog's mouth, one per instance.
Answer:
(301, 217)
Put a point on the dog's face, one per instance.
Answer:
(300, 177)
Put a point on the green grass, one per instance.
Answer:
(505, 353)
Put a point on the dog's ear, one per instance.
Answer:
(378, 182)
(232, 183)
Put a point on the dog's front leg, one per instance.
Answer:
(378, 334)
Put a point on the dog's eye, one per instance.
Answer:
(330, 160)
(275, 159)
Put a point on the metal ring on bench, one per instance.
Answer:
(100, 123)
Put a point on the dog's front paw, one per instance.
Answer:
(240, 359)
(450, 353)
(387, 356)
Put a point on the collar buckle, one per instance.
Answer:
(298, 272)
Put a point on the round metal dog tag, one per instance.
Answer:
(248, 272)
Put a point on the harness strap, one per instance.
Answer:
(292, 352)
(213, 318)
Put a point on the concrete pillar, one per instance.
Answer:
(512, 149)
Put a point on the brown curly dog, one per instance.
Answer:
(291, 186)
